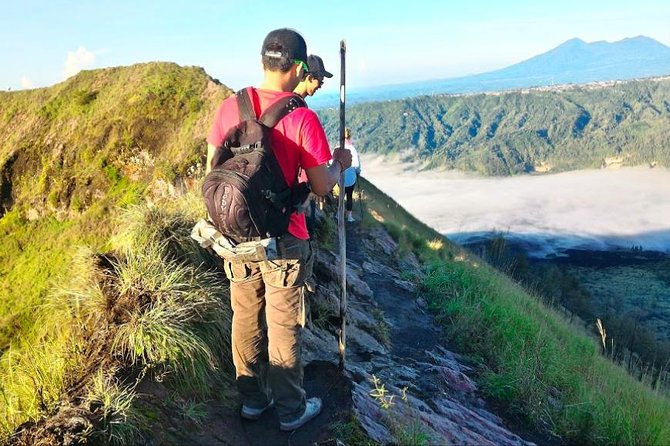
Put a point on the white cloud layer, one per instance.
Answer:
(78, 60)
(27, 82)
(594, 209)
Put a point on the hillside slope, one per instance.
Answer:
(554, 129)
(72, 158)
(67, 146)
(73, 153)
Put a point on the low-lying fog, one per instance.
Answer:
(588, 209)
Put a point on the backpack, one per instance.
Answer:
(245, 193)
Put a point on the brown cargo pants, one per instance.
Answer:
(268, 303)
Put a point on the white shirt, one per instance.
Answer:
(351, 172)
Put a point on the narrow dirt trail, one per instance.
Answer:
(412, 329)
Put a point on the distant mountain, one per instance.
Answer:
(573, 62)
(576, 61)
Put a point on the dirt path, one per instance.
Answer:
(412, 329)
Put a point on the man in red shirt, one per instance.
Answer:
(267, 296)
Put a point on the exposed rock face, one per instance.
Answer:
(405, 385)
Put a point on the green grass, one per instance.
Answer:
(164, 334)
(75, 156)
(193, 411)
(33, 254)
(121, 423)
(32, 375)
(350, 432)
(36, 255)
(539, 366)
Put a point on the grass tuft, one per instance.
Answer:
(120, 422)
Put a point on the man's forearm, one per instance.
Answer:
(322, 178)
(334, 171)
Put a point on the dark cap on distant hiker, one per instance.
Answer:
(316, 67)
(286, 43)
(312, 80)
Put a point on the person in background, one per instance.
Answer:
(351, 174)
(314, 77)
(310, 83)
(267, 296)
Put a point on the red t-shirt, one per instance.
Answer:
(298, 141)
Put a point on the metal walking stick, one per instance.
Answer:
(360, 197)
(341, 232)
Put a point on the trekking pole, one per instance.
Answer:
(360, 197)
(341, 233)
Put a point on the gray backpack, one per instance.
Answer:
(245, 193)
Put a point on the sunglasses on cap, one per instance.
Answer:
(305, 67)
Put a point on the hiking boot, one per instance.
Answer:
(312, 409)
(249, 413)
(350, 219)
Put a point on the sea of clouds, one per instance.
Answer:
(587, 209)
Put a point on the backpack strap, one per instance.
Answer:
(280, 108)
(244, 105)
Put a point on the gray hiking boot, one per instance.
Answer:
(312, 409)
(249, 413)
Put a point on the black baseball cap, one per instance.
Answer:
(286, 43)
(316, 67)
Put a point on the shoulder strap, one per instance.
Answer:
(280, 108)
(244, 105)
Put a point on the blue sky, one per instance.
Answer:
(44, 42)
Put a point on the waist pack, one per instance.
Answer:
(245, 193)
(255, 251)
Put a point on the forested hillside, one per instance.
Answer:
(539, 130)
